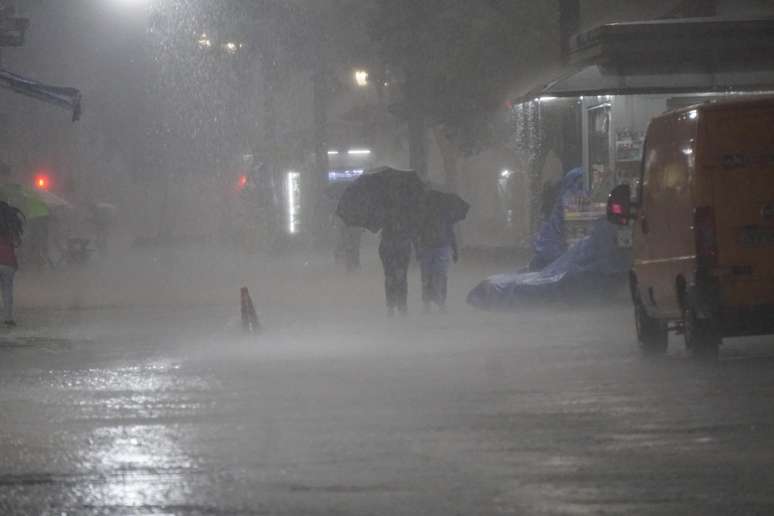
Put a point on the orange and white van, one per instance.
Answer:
(702, 221)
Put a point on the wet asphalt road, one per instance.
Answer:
(340, 411)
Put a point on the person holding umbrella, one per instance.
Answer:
(387, 200)
(402, 210)
(397, 240)
(437, 244)
(348, 238)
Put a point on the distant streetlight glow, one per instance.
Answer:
(333, 153)
(361, 78)
(231, 47)
(505, 174)
(131, 3)
(204, 41)
(359, 152)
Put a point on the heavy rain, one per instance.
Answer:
(386, 257)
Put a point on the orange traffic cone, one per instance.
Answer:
(250, 322)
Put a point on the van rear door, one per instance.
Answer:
(739, 161)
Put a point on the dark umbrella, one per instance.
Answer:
(447, 206)
(334, 191)
(385, 195)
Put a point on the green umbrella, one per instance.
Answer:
(25, 199)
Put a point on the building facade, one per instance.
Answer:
(620, 64)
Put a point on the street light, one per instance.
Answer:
(361, 78)
(131, 3)
(204, 41)
(132, 11)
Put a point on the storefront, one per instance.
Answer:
(620, 76)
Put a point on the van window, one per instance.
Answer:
(637, 188)
(652, 184)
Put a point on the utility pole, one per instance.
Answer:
(382, 115)
(12, 32)
(569, 24)
(414, 98)
(320, 95)
(267, 176)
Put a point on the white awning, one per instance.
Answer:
(699, 55)
(592, 80)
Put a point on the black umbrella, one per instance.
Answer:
(384, 196)
(334, 191)
(446, 206)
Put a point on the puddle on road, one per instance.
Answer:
(37, 342)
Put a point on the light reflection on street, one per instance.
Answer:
(141, 466)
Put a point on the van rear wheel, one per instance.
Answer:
(651, 333)
(701, 337)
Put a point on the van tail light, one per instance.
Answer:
(705, 233)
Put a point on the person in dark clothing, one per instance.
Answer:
(398, 236)
(437, 247)
(11, 229)
(395, 253)
(400, 217)
(348, 246)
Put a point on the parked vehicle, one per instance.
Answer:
(703, 226)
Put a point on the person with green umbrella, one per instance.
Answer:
(25, 200)
(36, 206)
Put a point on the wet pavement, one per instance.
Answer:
(337, 410)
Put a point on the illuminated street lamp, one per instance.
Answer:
(204, 41)
(231, 47)
(361, 78)
(131, 3)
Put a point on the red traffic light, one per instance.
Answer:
(42, 181)
(242, 183)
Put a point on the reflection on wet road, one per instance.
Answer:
(538, 413)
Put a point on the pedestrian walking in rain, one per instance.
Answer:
(11, 229)
(348, 246)
(436, 250)
(395, 252)
(387, 200)
(437, 243)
